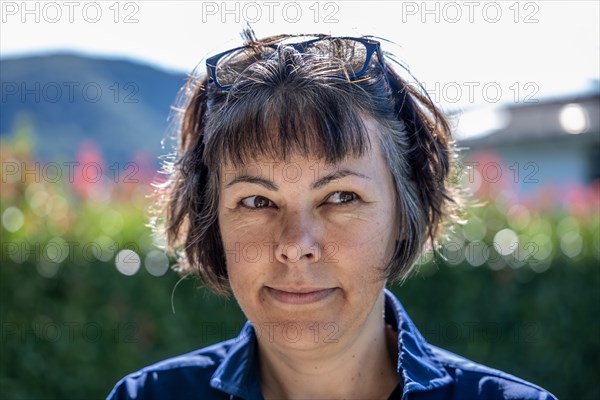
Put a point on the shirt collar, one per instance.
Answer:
(238, 374)
(420, 369)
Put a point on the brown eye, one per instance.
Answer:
(257, 202)
(342, 197)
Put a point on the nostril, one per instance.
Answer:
(294, 252)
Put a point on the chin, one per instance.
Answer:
(298, 334)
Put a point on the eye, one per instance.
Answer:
(254, 202)
(342, 197)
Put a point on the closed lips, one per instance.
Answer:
(300, 296)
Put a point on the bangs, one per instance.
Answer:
(277, 122)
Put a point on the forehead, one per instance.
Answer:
(299, 171)
(371, 159)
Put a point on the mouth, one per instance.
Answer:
(300, 296)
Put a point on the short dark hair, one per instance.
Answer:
(289, 103)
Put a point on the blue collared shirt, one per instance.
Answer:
(229, 370)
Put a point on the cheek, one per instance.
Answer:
(247, 252)
(244, 278)
(366, 234)
(362, 255)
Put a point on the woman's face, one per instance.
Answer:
(305, 243)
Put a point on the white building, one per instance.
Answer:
(553, 143)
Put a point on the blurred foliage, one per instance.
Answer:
(517, 288)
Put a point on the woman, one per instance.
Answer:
(309, 175)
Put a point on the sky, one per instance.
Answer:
(466, 53)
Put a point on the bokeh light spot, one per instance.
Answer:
(506, 241)
(56, 250)
(543, 245)
(453, 253)
(103, 248)
(476, 253)
(47, 269)
(40, 203)
(571, 244)
(540, 266)
(156, 263)
(474, 229)
(566, 225)
(574, 119)
(128, 262)
(12, 219)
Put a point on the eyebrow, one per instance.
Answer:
(316, 185)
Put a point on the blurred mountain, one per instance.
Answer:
(69, 99)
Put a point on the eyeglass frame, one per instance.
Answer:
(371, 46)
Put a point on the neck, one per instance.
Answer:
(357, 366)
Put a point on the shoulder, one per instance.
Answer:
(175, 377)
(474, 380)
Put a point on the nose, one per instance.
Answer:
(298, 240)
